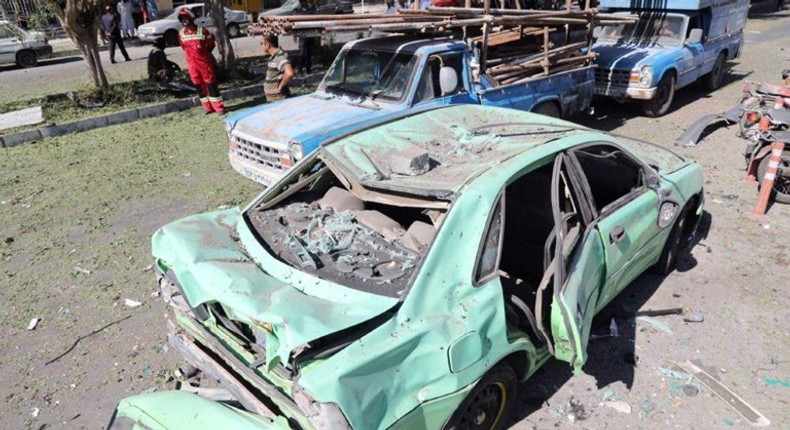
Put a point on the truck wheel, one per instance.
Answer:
(490, 404)
(26, 59)
(713, 79)
(662, 100)
(233, 30)
(171, 38)
(548, 109)
(781, 191)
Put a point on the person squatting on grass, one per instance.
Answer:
(197, 43)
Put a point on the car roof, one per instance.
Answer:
(462, 142)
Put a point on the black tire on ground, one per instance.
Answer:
(549, 109)
(490, 404)
(233, 30)
(662, 100)
(26, 58)
(171, 38)
(781, 189)
(668, 260)
(713, 79)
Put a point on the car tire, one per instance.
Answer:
(26, 59)
(548, 109)
(668, 260)
(781, 189)
(234, 30)
(714, 78)
(490, 404)
(171, 38)
(662, 101)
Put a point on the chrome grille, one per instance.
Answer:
(612, 77)
(262, 155)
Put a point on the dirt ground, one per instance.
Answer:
(77, 214)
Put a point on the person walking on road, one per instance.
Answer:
(279, 70)
(197, 43)
(111, 31)
(306, 44)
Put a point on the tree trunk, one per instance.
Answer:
(80, 20)
(227, 57)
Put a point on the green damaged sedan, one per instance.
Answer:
(412, 274)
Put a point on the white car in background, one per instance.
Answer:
(22, 47)
(169, 26)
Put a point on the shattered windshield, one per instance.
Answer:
(652, 28)
(368, 73)
(317, 225)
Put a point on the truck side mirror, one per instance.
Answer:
(695, 36)
(448, 80)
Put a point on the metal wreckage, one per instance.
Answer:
(763, 118)
(410, 275)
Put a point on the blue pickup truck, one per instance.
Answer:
(673, 44)
(380, 78)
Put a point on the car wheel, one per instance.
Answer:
(781, 190)
(668, 260)
(713, 79)
(233, 30)
(26, 59)
(662, 100)
(171, 38)
(490, 404)
(549, 109)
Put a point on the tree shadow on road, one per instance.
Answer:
(609, 359)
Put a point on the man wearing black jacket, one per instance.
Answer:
(111, 31)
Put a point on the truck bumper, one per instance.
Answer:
(258, 174)
(625, 92)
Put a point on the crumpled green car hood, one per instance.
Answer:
(179, 410)
(210, 263)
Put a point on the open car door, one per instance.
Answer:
(575, 274)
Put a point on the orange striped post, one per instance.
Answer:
(768, 183)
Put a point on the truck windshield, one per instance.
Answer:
(651, 29)
(368, 73)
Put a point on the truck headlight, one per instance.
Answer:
(642, 77)
(297, 153)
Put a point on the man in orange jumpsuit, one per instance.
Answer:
(197, 43)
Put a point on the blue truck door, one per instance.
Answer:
(429, 94)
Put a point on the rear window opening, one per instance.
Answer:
(317, 225)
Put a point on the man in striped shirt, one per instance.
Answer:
(279, 70)
(197, 43)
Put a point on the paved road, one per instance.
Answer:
(69, 73)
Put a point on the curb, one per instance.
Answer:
(120, 117)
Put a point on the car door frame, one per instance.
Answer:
(466, 96)
(653, 195)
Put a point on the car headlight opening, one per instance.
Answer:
(666, 213)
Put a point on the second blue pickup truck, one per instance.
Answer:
(673, 44)
(380, 78)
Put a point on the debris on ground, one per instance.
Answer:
(658, 325)
(696, 317)
(728, 396)
(658, 312)
(576, 411)
(773, 382)
(619, 406)
(21, 118)
(131, 303)
(81, 270)
(33, 323)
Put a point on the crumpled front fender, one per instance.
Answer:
(170, 410)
